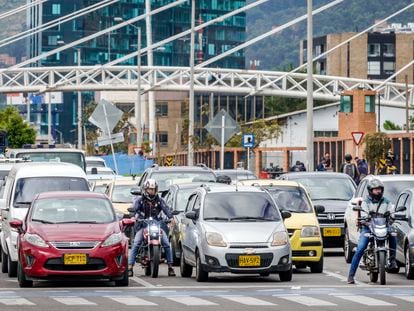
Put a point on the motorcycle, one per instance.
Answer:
(375, 257)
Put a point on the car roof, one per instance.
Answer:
(125, 181)
(194, 185)
(269, 182)
(40, 150)
(44, 169)
(232, 188)
(71, 194)
(91, 158)
(391, 177)
(179, 168)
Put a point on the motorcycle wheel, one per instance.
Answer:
(409, 270)
(373, 277)
(381, 267)
(155, 261)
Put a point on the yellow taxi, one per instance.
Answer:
(119, 192)
(303, 226)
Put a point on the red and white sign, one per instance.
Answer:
(357, 137)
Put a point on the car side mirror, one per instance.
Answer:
(16, 224)
(191, 215)
(319, 209)
(286, 214)
(176, 213)
(400, 209)
(136, 191)
(126, 222)
(164, 193)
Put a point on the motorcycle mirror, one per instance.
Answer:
(356, 208)
(176, 212)
(130, 209)
(286, 214)
(191, 215)
(136, 191)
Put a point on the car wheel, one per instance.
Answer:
(285, 276)
(348, 247)
(409, 270)
(21, 277)
(317, 267)
(185, 269)
(3, 261)
(176, 260)
(201, 275)
(125, 279)
(11, 267)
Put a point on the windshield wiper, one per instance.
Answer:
(217, 218)
(251, 218)
(43, 221)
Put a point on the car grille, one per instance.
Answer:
(92, 264)
(233, 260)
(241, 246)
(75, 244)
(331, 218)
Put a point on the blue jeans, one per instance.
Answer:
(139, 238)
(362, 245)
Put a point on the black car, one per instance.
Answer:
(170, 175)
(405, 232)
(176, 199)
(332, 191)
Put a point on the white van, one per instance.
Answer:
(22, 184)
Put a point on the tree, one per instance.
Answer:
(391, 126)
(376, 147)
(18, 131)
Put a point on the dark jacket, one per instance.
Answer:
(144, 209)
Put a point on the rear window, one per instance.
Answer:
(27, 188)
(292, 199)
(122, 194)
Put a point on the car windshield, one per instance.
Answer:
(77, 158)
(328, 187)
(100, 188)
(182, 198)
(240, 206)
(122, 194)
(72, 210)
(166, 179)
(292, 199)
(392, 188)
(93, 163)
(27, 188)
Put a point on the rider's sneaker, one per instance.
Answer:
(351, 280)
(171, 272)
(130, 270)
(393, 264)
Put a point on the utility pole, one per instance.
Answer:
(309, 88)
(407, 118)
(138, 101)
(150, 61)
(190, 156)
(78, 53)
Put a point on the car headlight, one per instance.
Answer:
(34, 239)
(309, 231)
(215, 239)
(280, 238)
(112, 239)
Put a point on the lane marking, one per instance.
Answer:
(16, 301)
(74, 301)
(250, 301)
(307, 301)
(132, 301)
(192, 301)
(142, 282)
(365, 300)
(403, 297)
(338, 276)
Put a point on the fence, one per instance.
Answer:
(128, 164)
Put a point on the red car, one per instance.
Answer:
(72, 235)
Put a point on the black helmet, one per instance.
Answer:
(348, 157)
(150, 184)
(374, 184)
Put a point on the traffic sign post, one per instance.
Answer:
(248, 142)
(357, 138)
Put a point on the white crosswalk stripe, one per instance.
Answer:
(74, 301)
(364, 300)
(132, 301)
(192, 301)
(16, 301)
(405, 298)
(306, 300)
(250, 301)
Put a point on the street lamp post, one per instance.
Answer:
(309, 88)
(78, 56)
(190, 155)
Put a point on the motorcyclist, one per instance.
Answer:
(377, 203)
(150, 205)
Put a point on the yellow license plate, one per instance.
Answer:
(249, 261)
(331, 231)
(74, 259)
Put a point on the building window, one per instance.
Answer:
(325, 133)
(373, 49)
(56, 9)
(52, 40)
(162, 139)
(388, 50)
(162, 109)
(346, 103)
(369, 103)
(389, 67)
(211, 49)
(374, 68)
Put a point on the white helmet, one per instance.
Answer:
(150, 184)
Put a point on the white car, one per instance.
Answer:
(393, 186)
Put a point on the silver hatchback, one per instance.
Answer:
(238, 230)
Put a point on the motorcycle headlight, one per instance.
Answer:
(112, 239)
(215, 239)
(153, 228)
(280, 238)
(381, 232)
(309, 231)
(34, 239)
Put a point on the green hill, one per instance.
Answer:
(282, 49)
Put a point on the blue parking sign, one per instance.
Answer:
(248, 140)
